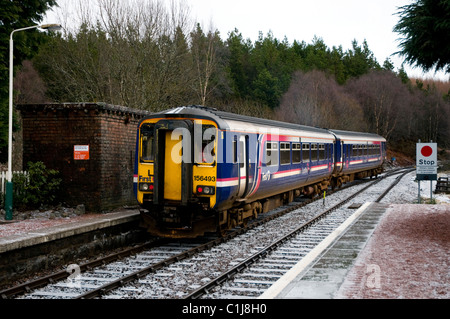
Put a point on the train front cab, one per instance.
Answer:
(176, 175)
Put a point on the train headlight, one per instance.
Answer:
(146, 187)
(205, 190)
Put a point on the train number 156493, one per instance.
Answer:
(200, 178)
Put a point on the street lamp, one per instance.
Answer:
(9, 185)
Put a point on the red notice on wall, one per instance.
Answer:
(81, 152)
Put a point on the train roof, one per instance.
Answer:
(357, 136)
(225, 120)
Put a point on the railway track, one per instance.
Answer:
(149, 272)
(251, 277)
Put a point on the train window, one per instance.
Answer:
(285, 153)
(314, 152)
(296, 153)
(206, 153)
(321, 152)
(235, 151)
(356, 151)
(147, 142)
(241, 154)
(271, 153)
(305, 152)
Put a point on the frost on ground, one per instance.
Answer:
(407, 191)
(407, 256)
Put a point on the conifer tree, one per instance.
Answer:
(425, 27)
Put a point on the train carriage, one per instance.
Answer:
(358, 155)
(200, 170)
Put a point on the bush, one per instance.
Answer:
(39, 187)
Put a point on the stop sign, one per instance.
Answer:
(426, 151)
(426, 161)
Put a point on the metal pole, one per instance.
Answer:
(431, 191)
(9, 184)
(418, 198)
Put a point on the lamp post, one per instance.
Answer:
(9, 185)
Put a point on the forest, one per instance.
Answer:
(152, 56)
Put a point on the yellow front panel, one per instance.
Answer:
(205, 175)
(172, 168)
(145, 175)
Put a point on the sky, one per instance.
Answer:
(337, 22)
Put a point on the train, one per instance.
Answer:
(200, 170)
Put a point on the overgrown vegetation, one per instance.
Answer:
(38, 187)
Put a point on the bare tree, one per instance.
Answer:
(29, 86)
(133, 53)
(203, 48)
(383, 98)
(316, 99)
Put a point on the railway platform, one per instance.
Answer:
(388, 251)
(15, 235)
(35, 244)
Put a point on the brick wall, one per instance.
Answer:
(105, 180)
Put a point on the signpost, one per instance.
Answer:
(426, 164)
(81, 152)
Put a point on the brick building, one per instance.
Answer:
(92, 145)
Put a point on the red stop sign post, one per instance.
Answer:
(426, 164)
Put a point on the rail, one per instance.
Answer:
(264, 252)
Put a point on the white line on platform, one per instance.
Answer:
(287, 278)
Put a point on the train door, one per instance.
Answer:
(243, 165)
(347, 154)
(341, 156)
(172, 166)
(306, 157)
(366, 153)
(173, 161)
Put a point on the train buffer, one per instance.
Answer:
(442, 185)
